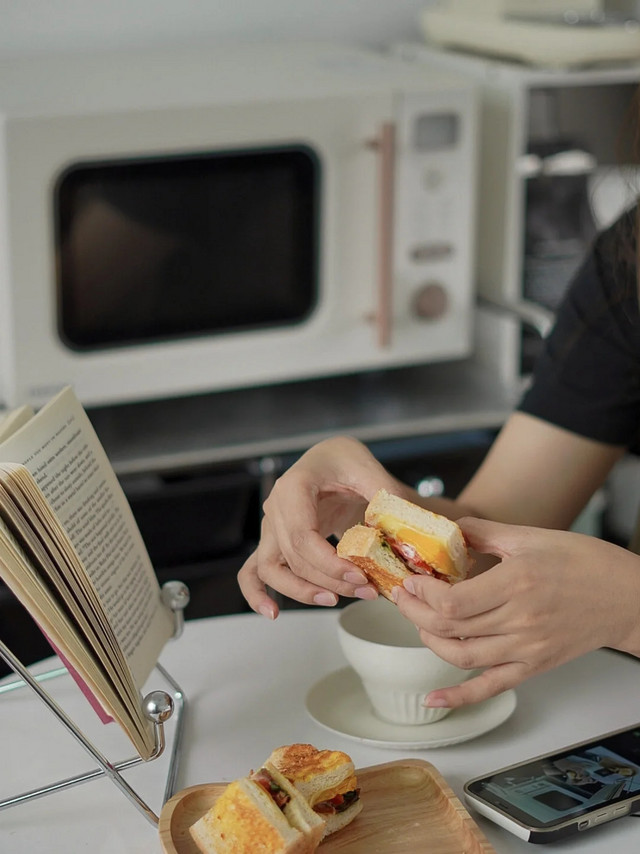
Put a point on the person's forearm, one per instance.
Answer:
(537, 474)
(626, 621)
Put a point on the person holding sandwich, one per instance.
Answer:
(539, 595)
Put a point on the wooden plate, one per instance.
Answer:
(408, 807)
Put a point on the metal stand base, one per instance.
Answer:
(158, 707)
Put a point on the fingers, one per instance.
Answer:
(254, 591)
(324, 492)
(308, 583)
(253, 584)
(465, 626)
(495, 538)
(321, 494)
(256, 575)
(490, 683)
(454, 604)
(472, 653)
(297, 537)
(266, 568)
(471, 627)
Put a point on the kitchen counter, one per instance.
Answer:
(281, 419)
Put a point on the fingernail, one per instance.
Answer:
(409, 585)
(394, 593)
(436, 703)
(325, 598)
(365, 593)
(355, 577)
(268, 611)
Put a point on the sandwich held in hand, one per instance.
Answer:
(399, 539)
(262, 814)
(325, 778)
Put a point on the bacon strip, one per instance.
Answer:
(263, 778)
(337, 804)
(409, 555)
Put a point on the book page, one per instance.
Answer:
(46, 547)
(62, 451)
(14, 419)
(50, 613)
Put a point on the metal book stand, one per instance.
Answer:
(158, 707)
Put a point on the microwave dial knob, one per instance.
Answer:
(430, 301)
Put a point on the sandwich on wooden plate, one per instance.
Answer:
(325, 778)
(399, 539)
(262, 814)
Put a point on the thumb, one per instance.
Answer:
(487, 537)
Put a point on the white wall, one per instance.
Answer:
(34, 25)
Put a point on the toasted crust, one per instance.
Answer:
(366, 548)
(313, 771)
(337, 821)
(301, 761)
(319, 775)
(397, 518)
(245, 818)
(298, 811)
(242, 819)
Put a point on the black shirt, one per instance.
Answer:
(587, 379)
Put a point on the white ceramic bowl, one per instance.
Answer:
(396, 669)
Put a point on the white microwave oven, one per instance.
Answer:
(184, 221)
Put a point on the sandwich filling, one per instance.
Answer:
(305, 767)
(338, 799)
(338, 803)
(265, 779)
(421, 552)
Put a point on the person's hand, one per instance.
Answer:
(323, 493)
(553, 596)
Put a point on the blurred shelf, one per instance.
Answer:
(270, 420)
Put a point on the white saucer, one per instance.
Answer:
(338, 703)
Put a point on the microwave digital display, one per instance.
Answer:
(167, 248)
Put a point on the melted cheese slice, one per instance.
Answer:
(326, 795)
(430, 549)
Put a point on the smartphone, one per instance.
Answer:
(562, 793)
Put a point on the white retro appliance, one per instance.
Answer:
(175, 222)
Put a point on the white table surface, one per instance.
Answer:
(246, 679)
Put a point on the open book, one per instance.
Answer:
(71, 552)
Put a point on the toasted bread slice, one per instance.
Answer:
(367, 548)
(316, 774)
(246, 818)
(325, 778)
(426, 541)
(298, 811)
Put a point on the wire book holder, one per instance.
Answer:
(158, 707)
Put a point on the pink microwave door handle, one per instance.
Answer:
(385, 148)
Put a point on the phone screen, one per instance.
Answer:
(565, 785)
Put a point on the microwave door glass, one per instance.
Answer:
(174, 247)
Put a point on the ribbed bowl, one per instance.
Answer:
(401, 707)
(396, 669)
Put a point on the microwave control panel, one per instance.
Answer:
(435, 204)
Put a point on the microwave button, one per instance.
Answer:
(424, 252)
(430, 301)
(432, 178)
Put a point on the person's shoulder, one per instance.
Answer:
(617, 244)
